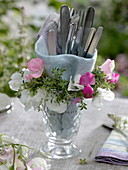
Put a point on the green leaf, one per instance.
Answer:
(83, 161)
(12, 167)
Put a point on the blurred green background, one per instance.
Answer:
(20, 21)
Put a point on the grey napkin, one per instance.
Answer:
(72, 63)
(115, 148)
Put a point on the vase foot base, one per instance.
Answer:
(55, 151)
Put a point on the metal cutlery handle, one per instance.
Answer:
(95, 40)
(68, 43)
(64, 25)
(71, 33)
(90, 36)
(77, 41)
(52, 42)
(75, 33)
(87, 24)
(72, 12)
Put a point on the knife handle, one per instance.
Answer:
(70, 35)
(90, 36)
(72, 12)
(95, 40)
(88, 23)
(64, 25)
(78, 39)
(52, 42)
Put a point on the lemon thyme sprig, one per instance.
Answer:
(55, 86)
(119, 122)
(100, 81)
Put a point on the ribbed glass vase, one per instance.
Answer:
(60, 130)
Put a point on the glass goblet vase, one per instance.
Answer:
(60, 130)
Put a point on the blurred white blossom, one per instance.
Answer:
(103, 94)
(32, 101)
(26, 99)
(16, 81)
(7, 160)
(75, 86)
(37, 163)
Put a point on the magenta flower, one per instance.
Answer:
(36, 66)
(107, 67)
(115, 77)
(87, 79)
(88, 91)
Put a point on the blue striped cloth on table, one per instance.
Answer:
(115, 149)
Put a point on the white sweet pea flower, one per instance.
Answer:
(26, 73)
(26, 99)
(16, 81)
(32, 101)
(106, 94)
(56, 107)
(3, 167)
(7, 139)
(41, 93)
(103, 94)
(75, 86)
(19, 165)
(37, 163)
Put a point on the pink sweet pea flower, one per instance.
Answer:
(36, 66)
(87, 79)
(107, 67)
(8, 154)
(76, 100)
(88, 91)
(115, 77)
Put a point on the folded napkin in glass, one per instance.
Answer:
(115, 149)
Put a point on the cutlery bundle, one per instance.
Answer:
(71, 32)
(65, 41)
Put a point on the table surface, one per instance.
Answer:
(28, 127)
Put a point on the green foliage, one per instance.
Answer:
(100, 81)
(112, 15)
(83, 161)
(6, 5)
(14, 51)
(57, 4)
(83, 105)
(118, 121)
(123, 85)
(56, 88)
(81, 4)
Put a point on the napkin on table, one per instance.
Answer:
(115, 149)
